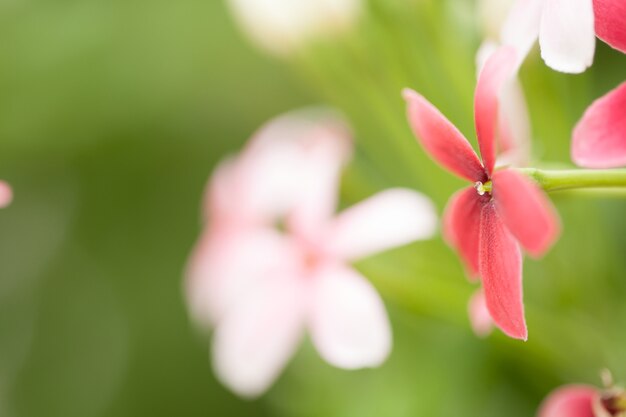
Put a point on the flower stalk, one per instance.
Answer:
(557, 180)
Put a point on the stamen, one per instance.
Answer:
(483, 188)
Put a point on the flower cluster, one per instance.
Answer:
(274, 261)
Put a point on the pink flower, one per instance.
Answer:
(268, 285)
(6, 194)
(488, 221)
(566, 29)
(599, 139)
(584, 401)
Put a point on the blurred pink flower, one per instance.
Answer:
(584, 401)
(566, 29)
(599, 139)
(480, 319)
(262, 286)
(6, 194)
(486, 223)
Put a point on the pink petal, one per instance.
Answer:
(271, 174)
(567, 36)
(498, 70)
(6, 194)
(348, 321)
(390, 218)
(461, 226)
(326, 154)
(521, 28)
(254, 341)
(569, 401)
(441, 139)
(500, 266)
(480, 319)
(225, 266)
(599, 139)
(526, 211)
(610, 17)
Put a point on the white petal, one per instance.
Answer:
(327, 152)
(254, 341)
(348, 321)
(388, 219)
(521, 28)
(567, 36)
(225, 266)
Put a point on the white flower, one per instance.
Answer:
(280, 26)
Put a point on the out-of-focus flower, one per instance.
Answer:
(599, 139)
(488, 222)
(281, 26)
(480, 319)
(584, 401)
(6, 194)
(566, 29)
(265, 284)
(249, 193)
(492, 14)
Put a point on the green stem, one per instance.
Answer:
(572, 179)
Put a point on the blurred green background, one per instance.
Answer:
(112, 117)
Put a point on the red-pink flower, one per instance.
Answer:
(584, 401)
(599, 139)
(566, 29)
(261, 286)
(488, 221)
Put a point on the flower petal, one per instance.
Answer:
(461, 226)
(526, 211)
(327, 151)
(254, 341)
(500, 266)
(567, 36)
(498, 70)
(441, 139)
(6, 194)
(480, 319)
(225, 266)
(599, 139)
(390, 218)
(569, 401)
(348, 321)
(521, 28)
(294, 157)
(513, 137)
(610, 17)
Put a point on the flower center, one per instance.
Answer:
(614, 402)
(481, 188)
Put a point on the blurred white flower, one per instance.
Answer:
(280, 26)
(261, 286)
(492, 14)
